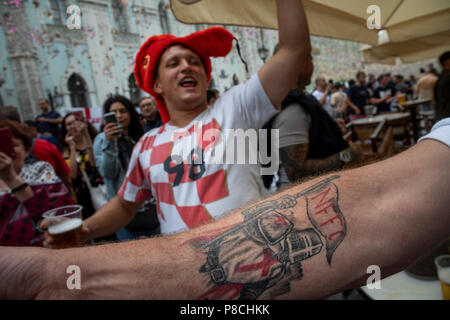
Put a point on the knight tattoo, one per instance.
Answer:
(266, 250)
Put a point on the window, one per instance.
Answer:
(58, 13)
(120, 15)
(135, 92)
(163, 18)
(78, 91)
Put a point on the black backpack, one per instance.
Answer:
(325, 136)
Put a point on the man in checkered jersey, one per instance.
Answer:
(177, 73)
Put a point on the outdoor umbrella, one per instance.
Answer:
(412, 50)
(340, 19)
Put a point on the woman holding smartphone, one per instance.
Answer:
(76, 139)
(112, 149)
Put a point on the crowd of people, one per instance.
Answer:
(70, 154)
(311, 142)
(347, 100)
(151, 189)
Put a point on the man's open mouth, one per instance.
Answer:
(188, 82)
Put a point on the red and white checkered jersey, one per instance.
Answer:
(190, 193)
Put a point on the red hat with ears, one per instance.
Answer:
(211, 42)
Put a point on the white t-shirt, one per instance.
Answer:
(293, 123)
(440, 132)
(337, 102)
(327, 105)
(188, 195)
(425, 86)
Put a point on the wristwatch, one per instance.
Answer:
(345, 156)
(18, 188)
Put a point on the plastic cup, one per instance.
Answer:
(443, 270)
(369, 110)
(64, 225)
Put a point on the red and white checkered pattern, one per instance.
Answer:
(221, 187)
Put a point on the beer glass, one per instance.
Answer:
(369, 110)
(402, 99)
(64, 225)
(443, 271)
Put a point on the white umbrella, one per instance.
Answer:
(413, 50)
(340, 19)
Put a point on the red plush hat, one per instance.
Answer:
(211, 42)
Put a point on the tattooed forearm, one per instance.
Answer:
(260, 256)
(293, 159)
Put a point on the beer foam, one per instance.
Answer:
(444, 275)
(65, 226)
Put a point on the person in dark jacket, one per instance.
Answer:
(149, 111)
(442, 89)
(311, 142)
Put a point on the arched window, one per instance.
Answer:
(163, 18)
(78, 91)
(135, 92)
(120, 15)
(58, 13)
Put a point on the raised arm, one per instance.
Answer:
(323, 100)
(284, 67)
(386, 98)
(313, 240)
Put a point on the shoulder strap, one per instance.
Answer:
(86, 178)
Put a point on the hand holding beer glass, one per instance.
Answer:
(402, 99)
(64, 227)
(443, 271)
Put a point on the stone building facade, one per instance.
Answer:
(41, 57)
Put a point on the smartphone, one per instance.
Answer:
(79, 115)
(110, 117)
(7, 146)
